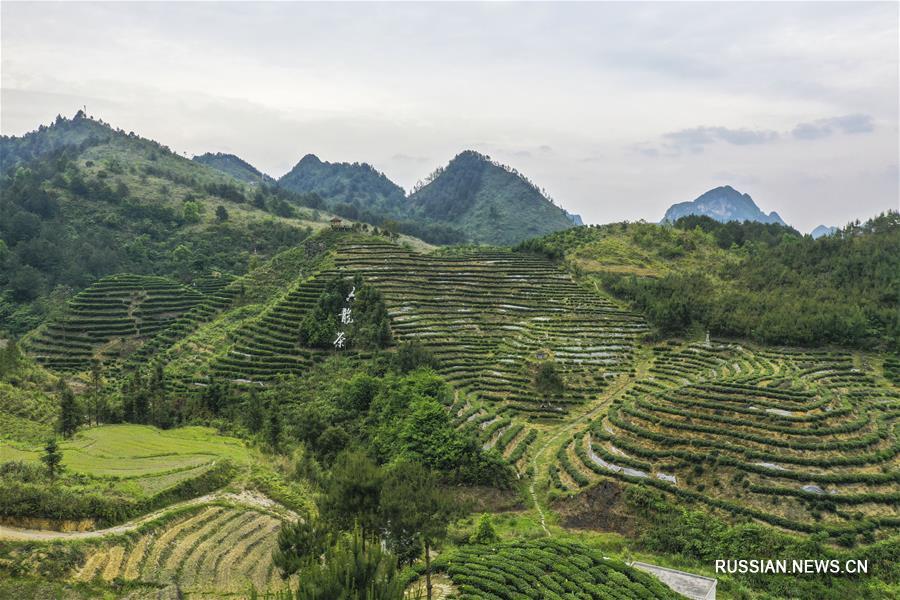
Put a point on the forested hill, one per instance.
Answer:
(346, 186)
(489, 202)
(234, 166)
(81, 200)
(754, 281)
(15, 150)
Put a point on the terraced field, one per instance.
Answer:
(208, 551)
(111, 319)
(269, 346)
(545, 569)
(491, 316)
(509, 436)
(803, 440)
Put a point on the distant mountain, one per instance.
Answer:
(234, 166)
(576, 219)
(823, 230)
(722, 204)
(490, 203)
(356, 184)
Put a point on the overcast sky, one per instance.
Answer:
(618, 110)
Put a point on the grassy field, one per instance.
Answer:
(138, 451)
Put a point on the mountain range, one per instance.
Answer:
(722, 204)
(472, 199)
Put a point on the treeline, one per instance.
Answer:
(27, 490)
(392, 406)
(841, 289)
(734, 233)
(424, 229)
(350, 307)
(767, 283)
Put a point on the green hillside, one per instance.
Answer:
(755, 281)
(490, 203)
(85, 201)
(346, 186)
(234, 166)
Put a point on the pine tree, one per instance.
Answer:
(52, 458)
(352, 494)
(69, 413)
(417, 510)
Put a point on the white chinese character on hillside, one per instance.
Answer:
(352, 294)
(340, 340)
(346, 319)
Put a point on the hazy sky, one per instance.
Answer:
(618, 110)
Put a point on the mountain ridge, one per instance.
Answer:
(356, 184)
(723, 203)
(474, 193)
(234, 166)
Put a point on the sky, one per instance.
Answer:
(618, 110)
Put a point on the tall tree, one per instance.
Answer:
(299, 545)
(352, 570)
(352, 493)
(415, 508)
(96, 400)
(52, 457)
(69, 412)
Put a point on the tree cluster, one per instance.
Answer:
(401, 507)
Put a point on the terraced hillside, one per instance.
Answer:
(209, 551)
(491, 316)
(488, 316)
(803, 440)
(114, 317)
(269, 345)
(546, 569)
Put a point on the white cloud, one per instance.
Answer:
(580, 97)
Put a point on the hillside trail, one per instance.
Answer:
(620, 386)
(244, 497)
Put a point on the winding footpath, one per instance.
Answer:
(245, 498)
(565, 430)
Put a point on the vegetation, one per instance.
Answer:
(486, 408)
(52, 458)
(234, 166)
(476, 194)
(546, 569)
(764, 435)
(746, 280)
(81, 200)
(350, 569)
(348, 189)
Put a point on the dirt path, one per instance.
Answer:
(246, 498)
(565, 430)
